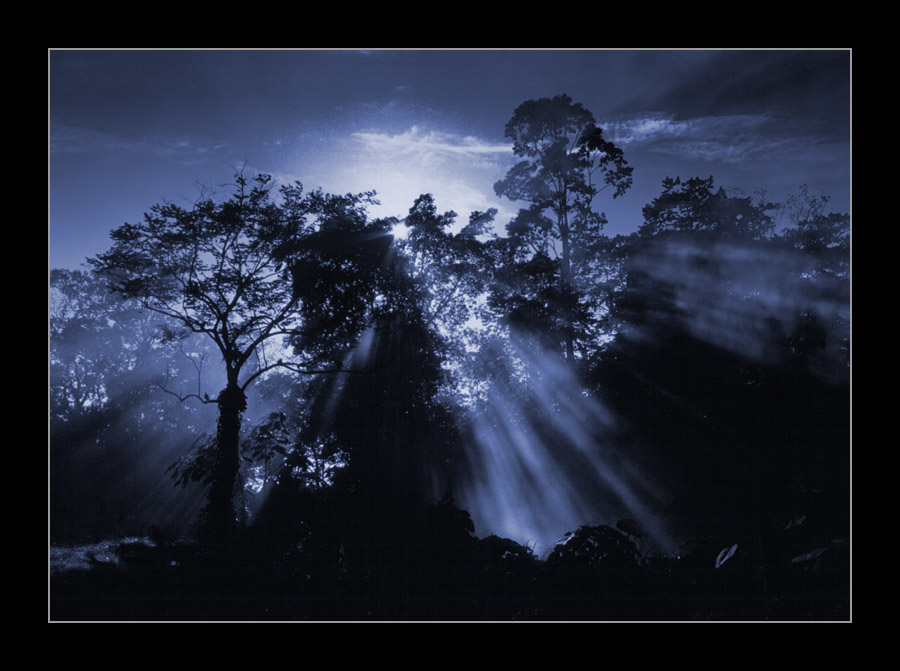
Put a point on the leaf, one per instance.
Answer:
(725, 555)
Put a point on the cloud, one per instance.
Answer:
(645, 130)
(429, 145)
(808, 85)
(735, 138)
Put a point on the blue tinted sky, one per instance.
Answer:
(128, 129)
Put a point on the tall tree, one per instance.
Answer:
(386, 425)
(221, 269)
(566, 162)
(423, 295)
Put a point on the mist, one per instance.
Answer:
(743, 296)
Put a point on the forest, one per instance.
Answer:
(271, 406)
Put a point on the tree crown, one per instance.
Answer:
(226, 269)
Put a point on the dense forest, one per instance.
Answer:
(271, 406)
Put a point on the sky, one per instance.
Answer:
(129, 129)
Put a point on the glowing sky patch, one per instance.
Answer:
(423, 145)
(453, 168)
(400, 231)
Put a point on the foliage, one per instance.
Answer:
(198, 465)
(448, 270)
(823, 235)
(631, 527)
(594, 547)
(216, 268)
(504, 552)
(268, 438)
(371, 435)
(695, 205)
(112, 431)
(337, 276)
(563, 152)
(527, 297)
(446, 521)
(99, 345)
(729, 367)
(566, 162)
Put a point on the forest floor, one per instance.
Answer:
(133, 579)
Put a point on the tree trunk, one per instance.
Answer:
(566, 281)
(220, 515)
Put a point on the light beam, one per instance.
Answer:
(546, 459)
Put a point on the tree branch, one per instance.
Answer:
(205, 399)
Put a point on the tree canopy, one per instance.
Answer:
(566, 162)
(695, 205)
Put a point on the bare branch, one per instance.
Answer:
(204, 398)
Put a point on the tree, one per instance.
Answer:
(695, 205)
(391, 415)
(446, 273)
(722, 247)
(820, 234)
(105, 348)
(223, 269)
(566, 162)
(381, 435)
(823, 241)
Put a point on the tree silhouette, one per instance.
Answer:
(813, 230)
(222, 270)
(389, 420)
(695, 205)
(566, 162)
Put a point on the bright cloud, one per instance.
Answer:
(645, 130)
(422, 144)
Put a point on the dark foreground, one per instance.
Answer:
(490, 579)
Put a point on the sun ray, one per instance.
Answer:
(547, 457)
